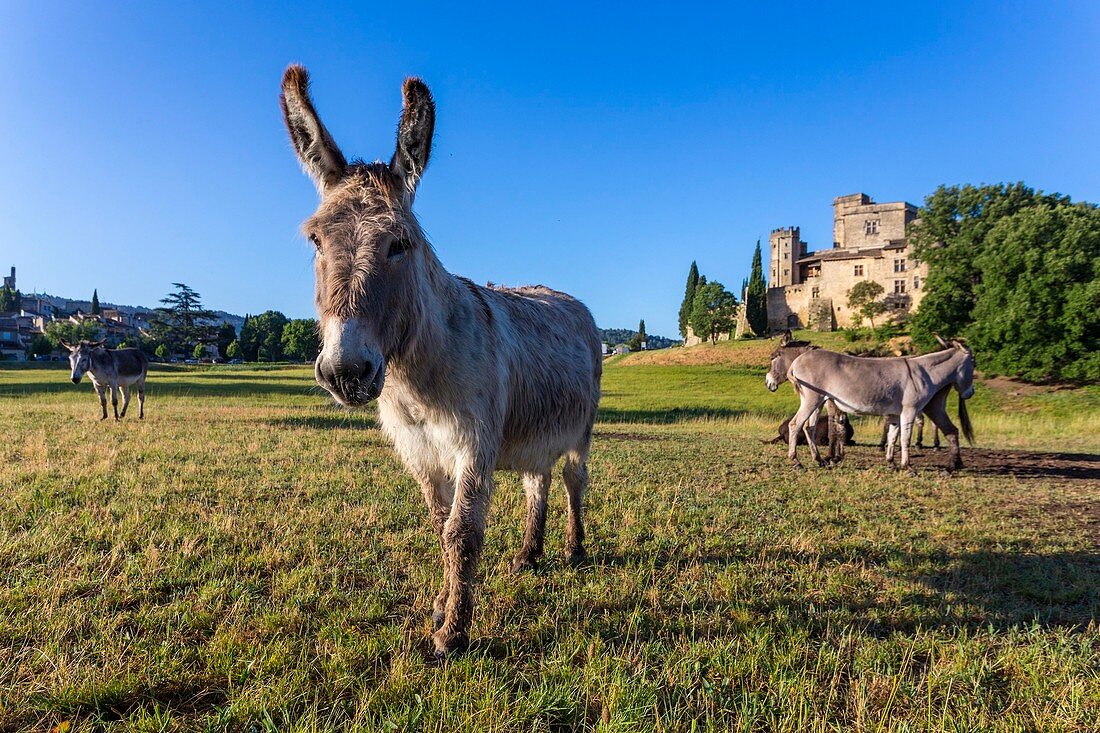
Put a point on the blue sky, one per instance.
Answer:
(597, 151)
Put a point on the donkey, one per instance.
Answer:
(839, 431)
(896, 387)
(113, 369)
(468, 379)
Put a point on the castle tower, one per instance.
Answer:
(786, 247)
(9, 282)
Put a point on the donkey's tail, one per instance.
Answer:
(964, 419)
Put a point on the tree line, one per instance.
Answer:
(710, 310)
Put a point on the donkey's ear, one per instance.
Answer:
(943, 343)
(414, 133)
(318, 152)
(787, 337)
(66, 344)
(98, 344)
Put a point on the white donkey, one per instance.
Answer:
(899, 388)
(468, 379)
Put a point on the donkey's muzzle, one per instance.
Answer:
(351, 384)
(76, 380)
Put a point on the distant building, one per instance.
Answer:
(9, 280)
(810, 289)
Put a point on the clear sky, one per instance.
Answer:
(595, 151)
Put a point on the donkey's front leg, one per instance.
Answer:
(114, 400)
(102, 392)
(438, 492)
(906, 433)
(463, 537)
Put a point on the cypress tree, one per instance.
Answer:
(756, 301)
(95, 302)
(689, 298)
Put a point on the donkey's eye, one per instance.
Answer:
(316, 241)
(399, 246)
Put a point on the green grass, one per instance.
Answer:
(249, 558)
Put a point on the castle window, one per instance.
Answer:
(870, 226)
(786, 273)
(815, 292)
(916, 282)
(899, 265)
(786, 255)
(899, 287)
(858, 271)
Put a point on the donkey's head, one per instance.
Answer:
(782, 357)
(964, 369)
(371, 253)
(80, 357)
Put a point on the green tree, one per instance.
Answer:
(1037, 307)
(639, 337)
(950, 236)
(96, 310)
(226, 335)
(863, 299)
(72, 333)
(262, 337)
(714, 310)
(41, 345)
(689, 298)
(756, 296)
(199, 352)
(10, 300)
(182, 322)
(233, 351)
(301, 340)
(163, 352)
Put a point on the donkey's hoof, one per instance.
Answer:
(797, 465)
(523, 564)
(576, 557)
(911, 471)
(449, 643)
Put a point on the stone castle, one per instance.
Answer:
(810, 289)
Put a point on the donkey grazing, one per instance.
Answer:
(114, 369)
(898, 388)
(468, 379)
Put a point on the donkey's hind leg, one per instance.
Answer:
(536, 486)
(141, 399)
(892, 429)
(575, 473)
(937, 411)
(836, 432)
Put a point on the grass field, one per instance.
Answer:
(250, 558)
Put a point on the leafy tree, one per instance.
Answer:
(863, 298)
(689, 298)
(262, 337)
(10, 300)
(1037, 307)
(199, 352)
(163, 352)
(301, 340)
(639, 337)
(233, 351)
(72, 333)
(714, 310)
(183, 323)
(95, 302)
(41, 345)
(226, 335)
(950, 236)
(756, 296)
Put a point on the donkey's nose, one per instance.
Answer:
(344, 372)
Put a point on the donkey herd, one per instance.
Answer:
(471, 379)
